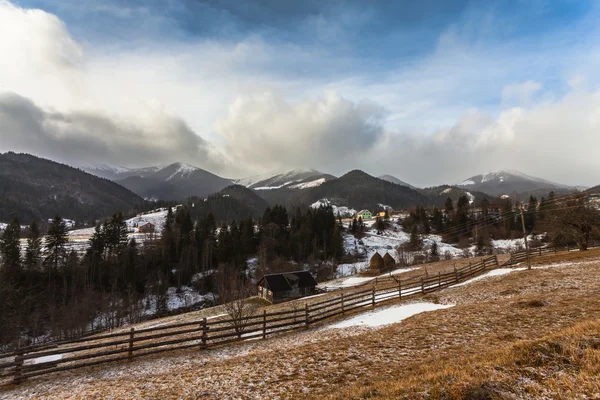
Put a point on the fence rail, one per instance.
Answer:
(521, 256)
(32, 361)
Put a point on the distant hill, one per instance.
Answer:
(232, 203)
(173, 182)
(293, 179)
(36, 188)
(437, 195)
(508, 182)
(359, 190)
(395, 180)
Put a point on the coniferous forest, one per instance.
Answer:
(48, 289)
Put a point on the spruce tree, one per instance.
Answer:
(10, 249)
(33, 254)
(56, 241)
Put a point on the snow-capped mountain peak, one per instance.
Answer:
(507, 181)
(181, 170)
(292, 179)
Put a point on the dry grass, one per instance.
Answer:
(507, 336)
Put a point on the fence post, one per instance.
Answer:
(204, 332)
(373, 297)
(17, 379)
(497, 263)
(455, 273)
(470, 269)
(130, 352)
(265, 323)
(422, 286)
(483, 261)
(307, 315)
(568, 248)
(439, 279)
(399, 288)
(342, 301)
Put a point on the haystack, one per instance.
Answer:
(389, 261)
(376, 262)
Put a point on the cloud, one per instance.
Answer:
(520, 93)
(93, 137)
(557, 139)
(325, 131)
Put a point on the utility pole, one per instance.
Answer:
(525, 238)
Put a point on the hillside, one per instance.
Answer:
(293, 179)
(437, 195)
(359, 190)
(36, 188)
(174, 182)
(527, 334)
(393, 179)
(235, 202)
(507, 182)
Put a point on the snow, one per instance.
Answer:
(338, 211)
(183, 170)
(505, 196)
(389, 315)
(46, 359)
(155, 217)
(311, 184)
(446, 191)
(471, 197)
(468, 182)
(492, 273)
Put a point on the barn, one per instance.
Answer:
(277, 288)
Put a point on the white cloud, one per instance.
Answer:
(520, 93)
(326, 131)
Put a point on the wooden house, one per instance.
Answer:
(146, 227)
(277, 288)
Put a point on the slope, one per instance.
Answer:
(174, 182)
(393, 179)
(36, 188)
(500, 183)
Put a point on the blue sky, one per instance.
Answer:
(345, 79)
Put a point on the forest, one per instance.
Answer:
(48, 290)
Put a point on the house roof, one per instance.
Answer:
(144, 223)
(363, 211)
(287, 281)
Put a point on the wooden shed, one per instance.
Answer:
(389, 262)
(376, 262)
(146, 227)
(277, 288)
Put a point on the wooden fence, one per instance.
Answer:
(521, 256)
(32, 361)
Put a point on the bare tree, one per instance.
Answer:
(234, 294)
(576, 221)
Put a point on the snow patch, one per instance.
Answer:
(306, 185)
(495, 272)
(389, 315)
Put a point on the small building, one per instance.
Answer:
(364, 214)
(146, 227)
(595, 198)
(277, 288)
(388, 262)
(376, 262)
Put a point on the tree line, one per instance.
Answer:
(47, 287)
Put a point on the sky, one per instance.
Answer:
(431, 92)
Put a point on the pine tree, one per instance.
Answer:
(33, 254)
(434, 252)
(56, 241)
(10, 250)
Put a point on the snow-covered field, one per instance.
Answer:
(155, 217)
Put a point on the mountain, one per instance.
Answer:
(115, 173)
(437, 195)
(36, 188)
(235, 202)
(395, 180)
(507, 182)
(173, 182)
(294, 179)
(359, 190)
